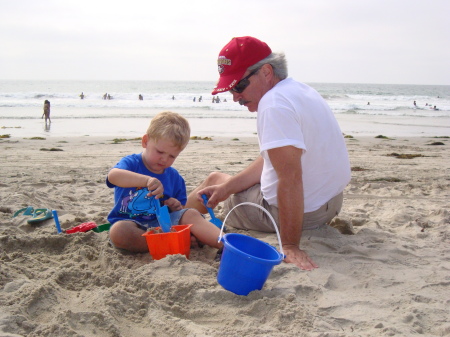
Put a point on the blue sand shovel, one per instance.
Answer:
(213, 220)
(162, 214)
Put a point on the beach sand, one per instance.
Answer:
(388, 275)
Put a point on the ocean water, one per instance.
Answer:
(361, 109)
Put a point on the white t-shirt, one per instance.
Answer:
(294, 114)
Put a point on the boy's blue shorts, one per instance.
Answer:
(175, 218)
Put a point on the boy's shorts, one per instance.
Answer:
(253, 218)
(175, 218)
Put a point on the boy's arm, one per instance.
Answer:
(125, 178)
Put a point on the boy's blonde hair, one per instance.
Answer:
(172, 126)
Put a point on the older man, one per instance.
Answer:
(303, 166)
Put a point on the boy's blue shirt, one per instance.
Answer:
(124, 198)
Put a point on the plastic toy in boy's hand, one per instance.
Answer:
(213, 220)
(149, 204)
(162, 214)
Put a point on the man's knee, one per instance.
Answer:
(215, 178)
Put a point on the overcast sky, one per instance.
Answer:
(342, 41)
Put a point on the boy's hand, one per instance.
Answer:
(173, 204)
(155, 187)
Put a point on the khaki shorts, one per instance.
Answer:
(249, 217)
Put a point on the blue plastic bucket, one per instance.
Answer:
(246, 262)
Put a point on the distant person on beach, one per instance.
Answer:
(46, 111)
(303, 166)
(166, 137)
(82, 95)
(141, 97)
(415, 104)
(200, 99)
(173, 97)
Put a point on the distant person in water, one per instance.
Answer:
(105, 95)
(82, 95)
(141, 97)
(415, 103)
(46, 111)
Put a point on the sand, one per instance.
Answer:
(387, 275)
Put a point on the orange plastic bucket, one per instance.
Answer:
(176, 242)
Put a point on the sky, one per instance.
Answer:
(332, 41)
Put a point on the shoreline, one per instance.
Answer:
(355, 125)
(390, 277)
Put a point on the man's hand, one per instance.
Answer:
(215, 194)
(298, 257)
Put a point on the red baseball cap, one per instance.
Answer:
(235, 58)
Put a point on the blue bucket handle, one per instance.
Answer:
(260, 207)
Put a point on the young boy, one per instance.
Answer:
(167, 135)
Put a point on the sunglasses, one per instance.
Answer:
(244, 83)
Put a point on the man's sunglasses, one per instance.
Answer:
(244, 83)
